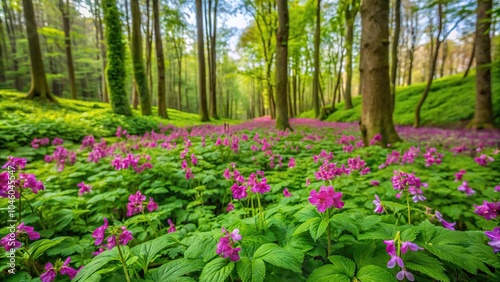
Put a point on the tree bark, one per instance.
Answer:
(3, 78)
(138, 61)
(160, 64)
(39, 87)
(212, 55)
(376, 115)
(432, 70)
(394, 51)
(11, 31)
(350, 16)
(317, 39)
(202, 84)
(282, 67)
(444, 55)
(64, 8)
(483, 115)
(471, 60)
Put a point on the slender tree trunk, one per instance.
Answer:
(350, 15)
(317, 39)
(39, 87)
(64, 8)
(444, 54)
(394, 51)
(201, 63)
(212, 58)
(11, 31)
(3, 77)
(483, 115)
(149, 49)
(282, 67)
(137, 58)
(376, 115)
(160, 64)
(432, 71)
(472, 56)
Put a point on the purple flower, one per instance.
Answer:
(459, 175)
(379, 208)
(16, 163)
(111, 242)
(465, 188)
(239, 191)
(395, 259)
(494, 236)
(497, 188)
(125, 236)
(446, 224)
(326, 198)
(391, 248)
(291, 163)
(225, 246)
(261, 187)
(227, 174)
(403, 273)
(487, 210)
(10, 243)
(99, 233)
(152, 206)
(286, 193)
(57, 141)
(50, 273)
(135, 204)
(66, 270)
(230, 207)
(171, 226)
(235, 235)
(189, 174)
(83, 188)
(98, 252)
(483, 160)
(194, 160)
(409, 245)
(29, 230)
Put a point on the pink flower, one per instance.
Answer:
(57, 141)
(379, 208)
(189, 174)
(66, 270)
(50, 273)
(16, 163)
(411, 246)
(326, 198)
(494, 236)
(308, 182)
(227, 174)
(99, 233)
(29, 230)
(286, 193)
(497, 188)
(84, 188)
(375, 182)
(239, 191)
(465, 188)
(194, 160)
(488, 210)
(291, 163)
(403, 273)
(135, 204)
(230, 207)
(483, 160)
(125, 236)
(111, 242)
(152, 206)
(171, 226)
(225, 247)
(459, 175)
(261, 187)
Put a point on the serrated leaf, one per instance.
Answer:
(202, 248)
(277, 256)
(307, 225)
(147, 251)
(363, 252)
(39, 247)
(174, 271)
(368, 222)
(251, 271)
(427, 265)
(327, 273)
(217, 270)
(345, 265)
(373, 273)
(96, 264)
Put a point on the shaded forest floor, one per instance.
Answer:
(450, 103)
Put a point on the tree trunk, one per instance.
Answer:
(3, 78)
(64, 8)
(11, 31)
(160, 64)
(376, 115)
(483, 115)
(149, 49)
(39, 87)
(350, 15)
(394, 51)
(282, 67)
(472, 56)
(138, 61)
(444, 54)
(202, 84)
(317, 39)
(212, 56)
(433, 63)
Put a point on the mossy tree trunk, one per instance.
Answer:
(394, 50)
(162, 103)
(282, 67)
(64, 8)
(202, 83)
(115, 67)
(317, 39)
(138, 60)
(483, 116)
(376, 114)
(39, 87)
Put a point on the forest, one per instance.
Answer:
(250, 140)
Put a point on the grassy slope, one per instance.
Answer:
(22, 120)
(450, 101)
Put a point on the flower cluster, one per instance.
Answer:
(184, 165)
(328, 171)
(432, 157)
(459, 175)
(410, 155)
(392, 158)
(121, 132)
(323, 156)
(402, 181)
(483, 160)
(15, 163)
(488, 210)
(25, 181)
(465, 188)
(395, 254)
(87, 142)
(10, 241)
(136, 201)
(83, 188)
(375, 139)
(326, 198)
(494, 236)
(36, 143)
(51, 271)
(124, 236)
(286, 193)
(171, 226)
(225, 247)
(131, 161)
(357, 164)
(291, 163)
(62, 157)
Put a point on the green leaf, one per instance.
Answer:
(344, 264)
(368, 222)
(307, 225)
(343, 221)
(318, 230)
(39, 247)
(217, 270)
(174, 271)
(251, 271)
(202, 248)
(363, 252)
(148, 250)
(96, 264)
(427, 265)
(277, 256)
(373, 273)
(327, 273)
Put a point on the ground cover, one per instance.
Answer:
(248, 203)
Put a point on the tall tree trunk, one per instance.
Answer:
(317, 39)
(39, 87)
(433, 63)
(115, 68)
(160, 64)
(444, 55)
(394, 51)
(282, 67)
(3, 78)
(350, 16)
(202, 84)
(483, 115)
(471, 59)
(212, 55)
(376, 115)
(137, 58)
(149, 49)
(103, 57)
(64, 8)
(11, 31)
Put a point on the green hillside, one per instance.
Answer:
(450, 101)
